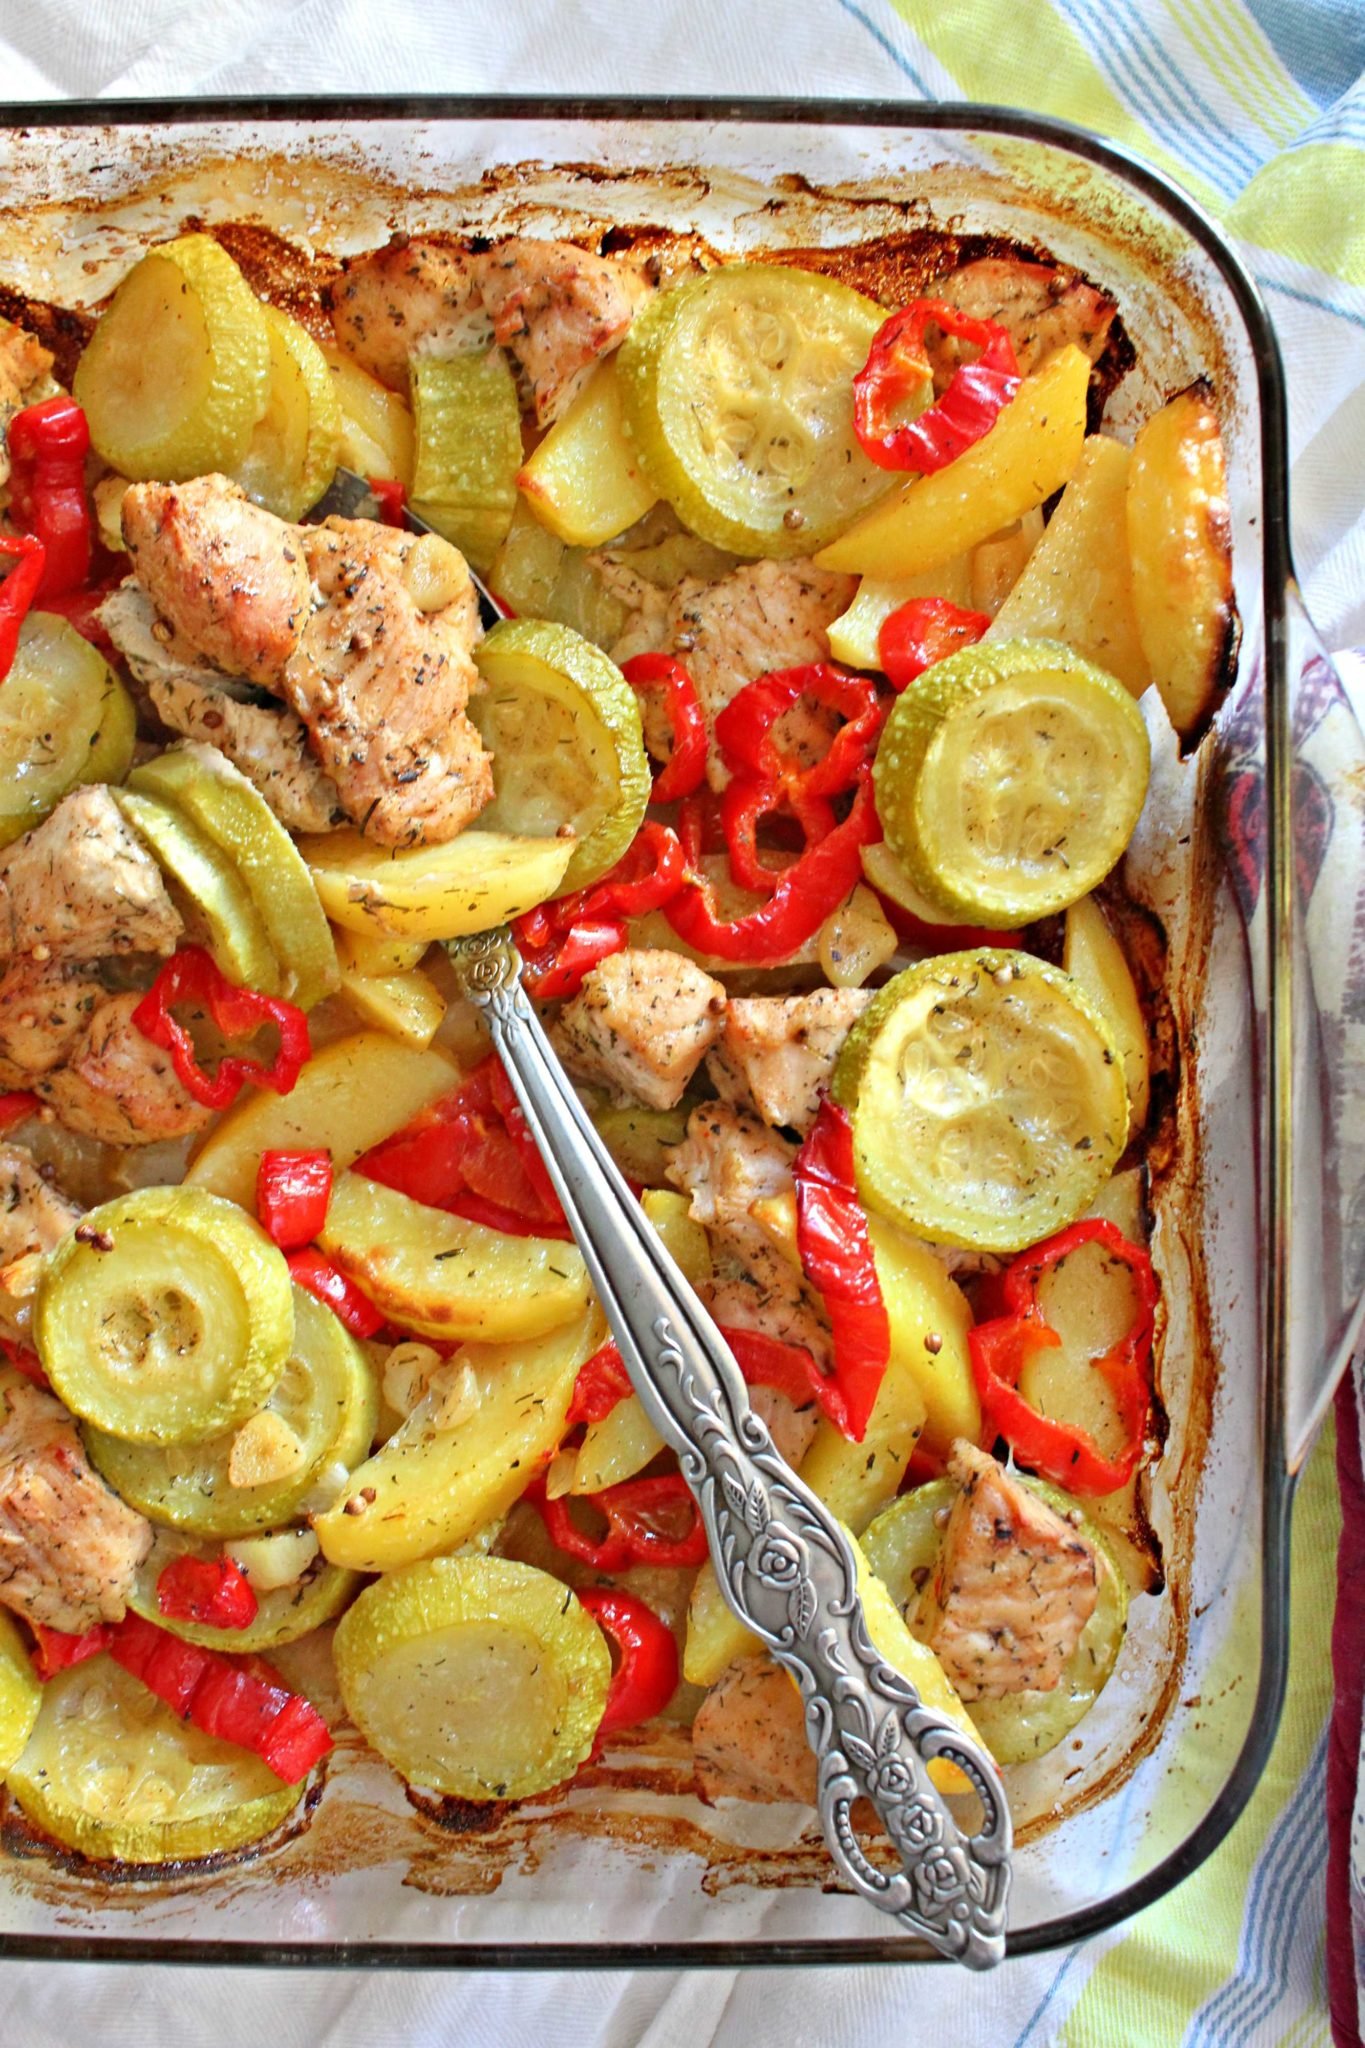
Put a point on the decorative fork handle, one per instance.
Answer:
(784, 1565)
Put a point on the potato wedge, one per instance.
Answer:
(434, 1488)
(354, 1092)
(1030, 452)
(439, 1276)
(376, 954)
(1180, 542)
(1078, 586)
(584, 481)
(998, 563)
(408, 1006)
(1090, 1300)
(433, 892)
(1093, 957)
(376, 423)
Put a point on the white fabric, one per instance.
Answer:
(83, 48)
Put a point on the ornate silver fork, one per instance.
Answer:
(785, 1566)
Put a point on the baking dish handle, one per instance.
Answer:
(1322, 1084)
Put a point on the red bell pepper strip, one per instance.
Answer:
(292, 1193)
(562, 941)
(764, 1361)
(18, 591)
(25, 1361)
(191, 976)
(802, 898)
(745, 728)
(238, 1699)
(1062, 1451)
(392, 496)
(311, 1270)
(836, 1256)
(211, 1591)
(471, 1153)
(16, 1105)
(639, 1513)
(686, 763)
(48, 444)
(55, 1650)
(646, 1674)
(555, 971)
(898, 368)
(744, 806)
(926, 630)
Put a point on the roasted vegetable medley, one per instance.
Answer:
(804, 770)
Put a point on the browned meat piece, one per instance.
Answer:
(229, 577)
(382, 684)
(777, 1052)
(641, 1023)
(265, 740)
(1040, 307)
(23, 363)
(792, 1429)
(44, 1008)
(408, 297)
(377, 672)
(557, 308)
(726, 1163)
(81, 885)
(118, 1086)
(749, 1737)
(34, 1215)
(1013, 1587)
(769, 615)
(69, 1548)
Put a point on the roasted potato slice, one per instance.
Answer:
(1180, 543)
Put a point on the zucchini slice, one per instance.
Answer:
(65, 719)
(282, 1616)
(563, 727)
(901, 1546)
(165, 1316)
(477, 1676)
(21, 1693)
(215, 892)
(988, 1100)
(177, 373)
(737, 390)
(469, 884)
(230, 812)
(114, 1773)
(296, 443)
(468, 451)
(1009, 778)
(327, 1396)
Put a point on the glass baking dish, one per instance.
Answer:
(1250, 855)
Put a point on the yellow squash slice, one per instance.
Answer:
(481, 1678)
(468, 424)
(563, 727)
(212, 887)
(1009, 778)
(177, 373)
(165, 1317)
(987, 1098)
(115, 1774)
(737, 389)
(65, 719)
(296, 443)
